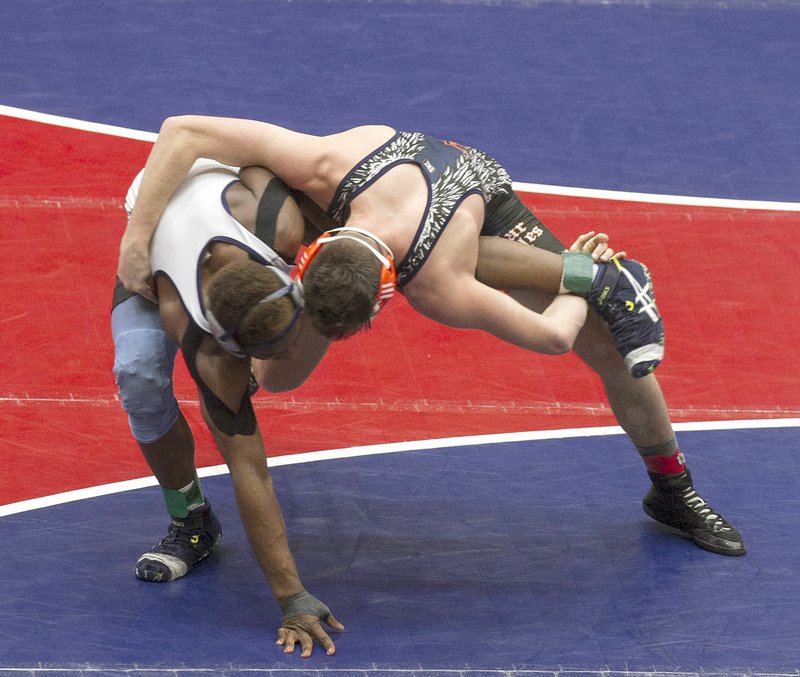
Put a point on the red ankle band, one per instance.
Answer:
(665, 465)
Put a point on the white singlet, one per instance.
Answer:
(196, 216)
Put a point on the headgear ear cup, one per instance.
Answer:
(388, 284)
(388, 278)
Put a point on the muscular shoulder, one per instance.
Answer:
(352, 145)
(369, 134)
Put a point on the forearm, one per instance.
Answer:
(266, 531)
(467, 304)
(552, 332)
(290, 372)
(169, 161)
(259, 509)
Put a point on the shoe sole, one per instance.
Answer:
(643, 361)
(734, 550)
(175, 578)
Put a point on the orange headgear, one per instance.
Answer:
(388, 281)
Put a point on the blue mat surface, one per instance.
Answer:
(518, 556)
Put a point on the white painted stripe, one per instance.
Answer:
(681, 200)
(622, 196)
(94, 492)
(392, 448)
(72, 123)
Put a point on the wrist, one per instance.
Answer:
(303, 604)
(284, 596)
(137, 235)
(285, 583)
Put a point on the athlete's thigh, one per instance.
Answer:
(508, 217)
(512, 220)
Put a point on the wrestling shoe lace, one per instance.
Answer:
(674, 502)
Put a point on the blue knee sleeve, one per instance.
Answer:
(143, 363)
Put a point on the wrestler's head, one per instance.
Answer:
(347, 275)
(253, 309)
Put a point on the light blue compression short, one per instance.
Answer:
(143, 363)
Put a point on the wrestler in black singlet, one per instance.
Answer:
(452, 172)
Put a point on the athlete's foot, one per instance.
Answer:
(673, 502)
(188, 541)
(622, 294)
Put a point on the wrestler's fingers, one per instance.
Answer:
(324, 640)
(581, 240)
(287, 639)
(306, 644)
(335, 624)
(149, 293)
(282, 636)
(599, 249)
(595, 240)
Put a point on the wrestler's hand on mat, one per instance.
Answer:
(134, 268)
(302, 614)
(596, 244)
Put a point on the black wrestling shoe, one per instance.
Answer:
(188, 542)
(672, 501)
(622, 294)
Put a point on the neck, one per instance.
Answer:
(365, 230)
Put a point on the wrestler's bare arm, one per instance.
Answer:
(297, 158)
(312, 164)
(292, 369)
(293, 156)
(447, 291)
(465, 303)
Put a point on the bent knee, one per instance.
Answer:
(595, 346)
(143, 371)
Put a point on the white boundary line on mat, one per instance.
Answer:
(546, 189)
(390, 448)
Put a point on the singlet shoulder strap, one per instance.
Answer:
(402, 147)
